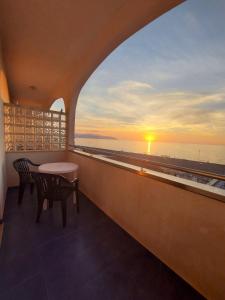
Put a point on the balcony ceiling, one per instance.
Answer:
(51, 47)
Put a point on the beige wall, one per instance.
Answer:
(4, 97)
(80, 35)
(4, 92)
(36, 157)
(185, 230)
(2, 163)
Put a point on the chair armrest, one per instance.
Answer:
(33, 164)
(76, 180)
(68, 184)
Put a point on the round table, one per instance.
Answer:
(67, 169)
(59, 168)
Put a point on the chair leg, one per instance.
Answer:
(21, 192)
(31, 188)
(78, 201)
(39, 211)
(50, 203)
(63, 206)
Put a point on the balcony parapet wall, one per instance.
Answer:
(184, 229)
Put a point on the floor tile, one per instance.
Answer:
(92, 258)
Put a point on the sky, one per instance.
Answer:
(167, 80)
(58, 105)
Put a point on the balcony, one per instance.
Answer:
(176, 227)
(92, 258)
(140, 234)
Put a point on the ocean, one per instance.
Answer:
(196, 152)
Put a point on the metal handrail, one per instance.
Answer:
(164, 165)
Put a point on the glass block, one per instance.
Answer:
(39, 130)
(30, 138)
(9, 147)
(19, 120)
(35, 114)
(19, 129)
(8, 109)
(39, 123)
(63, 118)
(47, 123)
(39, 114)
(19, 146)
(9, 129)
(29, 130)
(30, 122)
(9, 138)
(39, 138)
(63, 140)
(46, 139)
(8, 119)
(63, 125)
(55, 131)
(55, 147)
(20, 112)
(29, 113)
(19, 138)
(47, 146)
(63, 132)
(55, 124)
(39, 146)
(55, 116)
(55, 139)
(47, 131)
(30, 146)
(47, 115)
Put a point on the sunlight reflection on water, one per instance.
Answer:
(204, 153)
(149, 147)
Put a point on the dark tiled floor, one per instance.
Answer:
(92, 258)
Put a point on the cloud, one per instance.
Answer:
(167, 77)
(175, 110)
(130, 86)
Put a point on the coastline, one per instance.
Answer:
(165, 165)
(146, 159)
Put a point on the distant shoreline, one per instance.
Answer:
(94, 136)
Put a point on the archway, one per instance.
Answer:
(58, 105)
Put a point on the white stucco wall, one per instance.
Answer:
(39, 157)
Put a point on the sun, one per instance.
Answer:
(149, 137)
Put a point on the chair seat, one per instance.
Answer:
(54, 188)
(22, 166)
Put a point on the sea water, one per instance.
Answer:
(197, 152)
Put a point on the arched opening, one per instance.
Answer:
(58, 105)
(162, 92)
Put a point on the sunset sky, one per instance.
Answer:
(168, 79)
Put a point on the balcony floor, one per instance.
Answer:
(92, 258)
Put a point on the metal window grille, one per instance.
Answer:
(29, 129)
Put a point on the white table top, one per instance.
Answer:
(58, 168)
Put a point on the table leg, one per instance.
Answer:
(74, 198)
(45, 204)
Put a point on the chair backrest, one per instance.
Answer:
(51, 186)
(21, 165)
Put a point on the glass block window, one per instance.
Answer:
(28, 129)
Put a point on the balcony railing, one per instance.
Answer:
(198, 181)
(121, 154)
